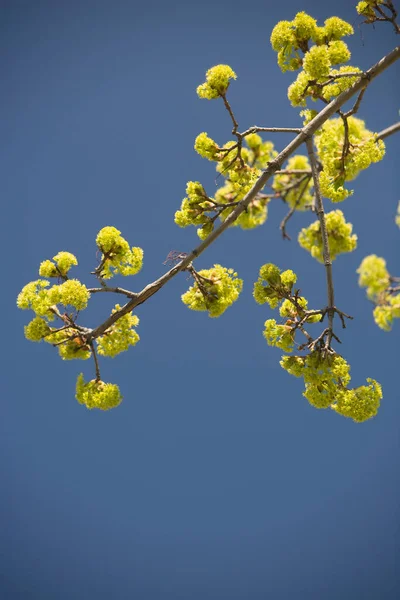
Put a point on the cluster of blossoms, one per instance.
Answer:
(117, 256)
(241, 171)
(363, 148)
(326, 379)
(97, 394)
(59, 266)
(366, 8)
(71, 340)
(120, 336)
(326, 376)
(340, 236)
(276, 288)
(375, 277)
(296, 187)
(37, 297)
(214, 290)
(292, 39)
(217, 82)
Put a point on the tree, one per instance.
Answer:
(338, 146)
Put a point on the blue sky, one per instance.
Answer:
(214, 478)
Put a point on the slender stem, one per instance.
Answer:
(96, 362)
(115, 290)
(325, 241)
(389, 131)
(256, 129)
(284, 221)
(293, 172)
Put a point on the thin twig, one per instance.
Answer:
(96, 362)
(388, 131)
(325, 241)
(284, 221)
(115, 290)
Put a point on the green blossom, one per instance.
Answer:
(97, 394)
(63, 262)
(70, 345)
(361, 403)
(340, 236)
(206, 147)
(217, 82)
(326, 380)
(373, 275)
(36, 330)
(273, 286)
(280, 336)
(316, 62)
(117, 257)
(364, 149)
(34, 296)
(298, 196)
(336, 28)
(70, 293)
(214, 290)
(120, 336)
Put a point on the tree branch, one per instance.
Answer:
(305, 134)
(389, 131)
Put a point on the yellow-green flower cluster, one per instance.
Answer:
(207, 148)
(397, 219)
(260, 153)
(120, 336)
(273, 285)
(241, 175)
(194, 208)
(291, 39)
(255, 214)
(386, 311)
(217, 82)
(97, 394)
(70, 293)
(241, 171)
(340, 236)
(281, 336)
(361, 403)
(374, 276)
(340, 84)
(364, 149)
(36, 330)
(35, 296)
(288, 38)
(63, 261)
(316, 63)
(326, 379)
(298, 196)
(290, 310)
(118, 257)
(366, 8)
(70, 344)
(214, 290)
(308, 115)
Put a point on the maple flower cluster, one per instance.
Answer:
(214, 290)
(375, 277)
(339, 232)
(49, 302)
(326, 376)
